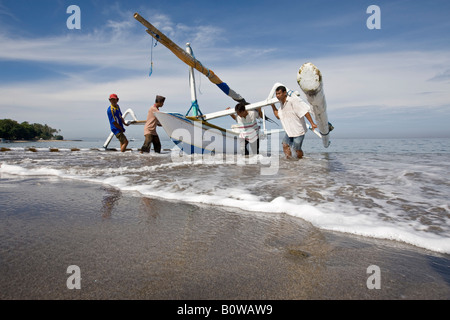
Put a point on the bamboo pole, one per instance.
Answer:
(180, 53)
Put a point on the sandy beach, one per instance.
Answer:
(132, 247)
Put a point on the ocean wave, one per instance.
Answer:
(350, 194)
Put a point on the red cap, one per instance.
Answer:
(114, 96)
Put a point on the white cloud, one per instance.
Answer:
(391, 79)
(86, 50)
(353, 84)
(6, 12)
(442, 76)
(117, 58)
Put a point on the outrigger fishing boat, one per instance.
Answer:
(193, 133)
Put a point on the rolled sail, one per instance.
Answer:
(309, 79)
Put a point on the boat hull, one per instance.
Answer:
(196, 136)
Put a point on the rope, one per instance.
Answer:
(330, 128)
(151, 56)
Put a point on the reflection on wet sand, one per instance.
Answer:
(110, 199)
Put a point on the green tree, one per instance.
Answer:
(7, 128)
(12, 130)
(28, 131)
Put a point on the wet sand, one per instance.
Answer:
(132, 247)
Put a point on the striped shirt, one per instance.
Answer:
(248, 126)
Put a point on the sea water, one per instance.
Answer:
(395, 189)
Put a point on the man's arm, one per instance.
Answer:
(113, 120)
(260, 114)
(231, 115)
(124, 122)
(275, 111)
(117, 126)
(308, 116)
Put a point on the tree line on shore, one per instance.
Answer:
(12, 130)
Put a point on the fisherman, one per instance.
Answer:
(116, 121)
(292, 114)
(151, 136)
(247, 121)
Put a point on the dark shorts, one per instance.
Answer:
(251, 145)
(149, 139)
(121, 137)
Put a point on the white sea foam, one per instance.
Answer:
(401, 198)
(17, 170)
(358, 224)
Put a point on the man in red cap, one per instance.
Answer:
(116, 121)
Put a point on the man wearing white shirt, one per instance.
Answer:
(248, 125)
(292, 114)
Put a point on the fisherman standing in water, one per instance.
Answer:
(292, 114)
(116, 121)
(151, 136)
(249, 127)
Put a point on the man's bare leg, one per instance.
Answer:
(299, 154)
(123, 147)
(287, 151)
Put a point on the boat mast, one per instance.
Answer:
(194, 103)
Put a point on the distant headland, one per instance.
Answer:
(12, 131)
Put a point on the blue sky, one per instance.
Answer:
(387, 83)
